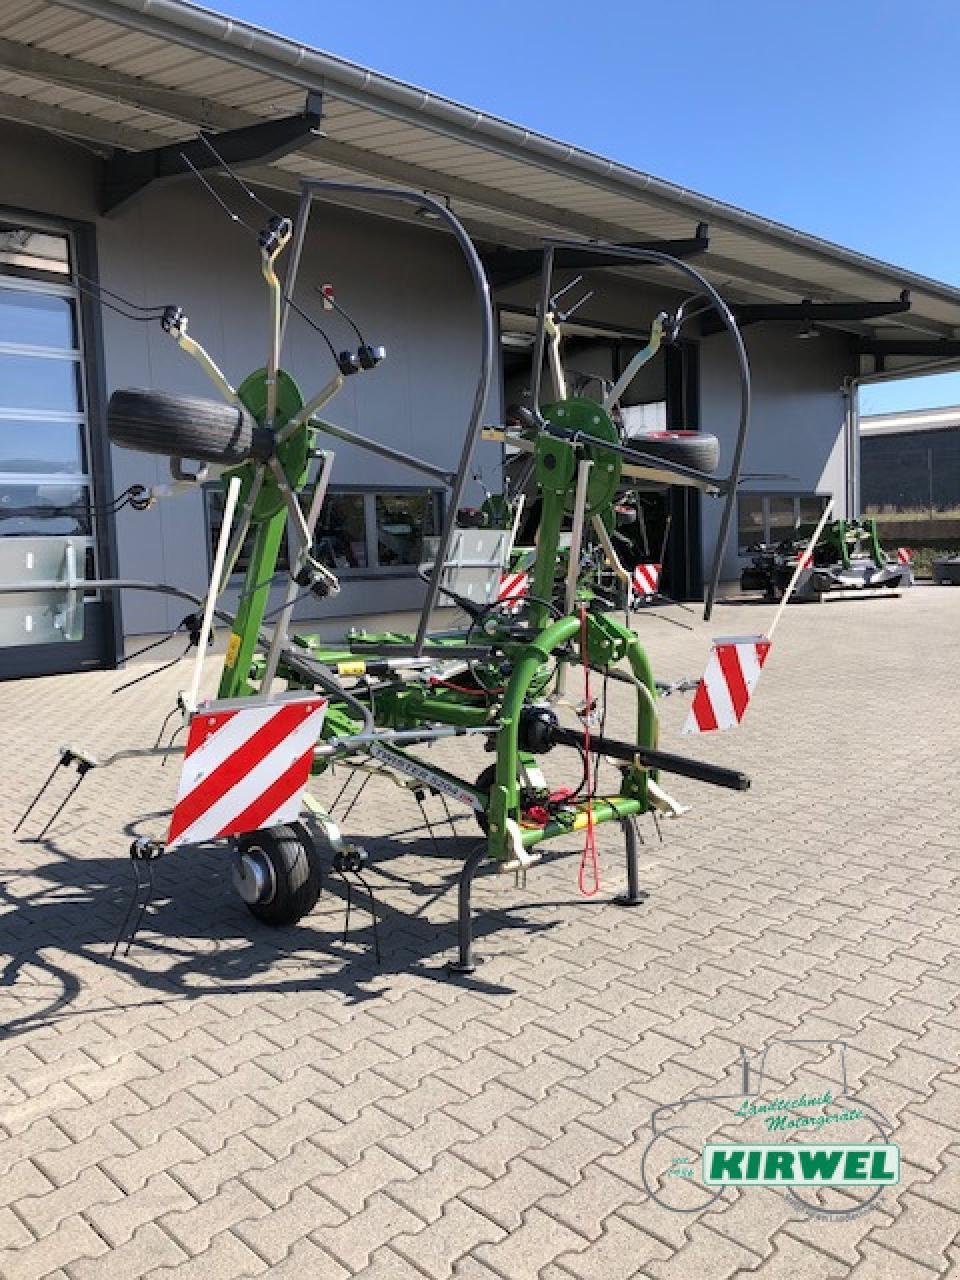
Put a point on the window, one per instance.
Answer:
(403, 521)
(341, 540)
(45, 482)
(776, 517)
(361, 532)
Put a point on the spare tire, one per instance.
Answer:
(690, 448)
(186, 427)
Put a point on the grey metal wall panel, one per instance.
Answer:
(797, 423)
(407, 287)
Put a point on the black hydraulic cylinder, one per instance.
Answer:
(651, 758)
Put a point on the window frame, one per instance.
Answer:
(369, 494)
(765, 500)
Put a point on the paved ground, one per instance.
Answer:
(231, 1101)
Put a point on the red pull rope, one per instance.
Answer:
(589, 858)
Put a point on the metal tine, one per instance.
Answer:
(173, 738)
(373, 917)
(446, 809)
(336, 800)
(33, 803)
(231, 214)
(147, 901)
(423, 810)
(163, 728)
(63, 804)
(121, 688)
(566, 289)
(204, 138)
(346, 918)
(359, 793)
(138, 886)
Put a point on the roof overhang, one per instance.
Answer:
(137, 75)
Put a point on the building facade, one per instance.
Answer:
(100, 225)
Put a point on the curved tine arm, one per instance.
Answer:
(297, 521)
(312, 407)
(272, 246)
(610, 551)
(205, 361)
(482, 291)
(552, 330)
(644, 356)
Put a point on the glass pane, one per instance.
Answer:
(31, 447)
(39, 382)
(341, 541)
(37, 320)
(811, 509)
(749, 520)
(25, 251)
(403, 521)
(44, 509)
(783, 520)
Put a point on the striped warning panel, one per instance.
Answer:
(904, 555)
(513, 587)
(725, 688)
(245, 768)
(646, 579)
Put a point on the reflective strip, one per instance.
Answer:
(245, 768)
(646, 579)
(727, 684)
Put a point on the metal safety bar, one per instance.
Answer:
(311, 189)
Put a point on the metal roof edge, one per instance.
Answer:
(220, 35)
(909, 420)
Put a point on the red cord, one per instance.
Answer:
(589, 856)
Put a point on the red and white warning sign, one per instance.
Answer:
(904, 555)
(646, 579)
(724, 691)
(245, 768)
(513, 587)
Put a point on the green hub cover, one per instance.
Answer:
(578, 414)
(293, 454)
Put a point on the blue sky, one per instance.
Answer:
(839, 117)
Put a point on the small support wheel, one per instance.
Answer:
(278, 874)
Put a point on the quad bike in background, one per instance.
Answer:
(847, 557)
(378, 697)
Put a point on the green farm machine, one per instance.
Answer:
(499, 677)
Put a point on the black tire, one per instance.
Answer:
(484, 782)
(297, 871)
(690, 448)
(185, 427)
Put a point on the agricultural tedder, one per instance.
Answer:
(368, 700)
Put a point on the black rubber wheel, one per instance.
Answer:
(185, 427)
(484, 782)
(690, 448)
(296, 869)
